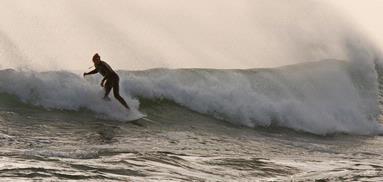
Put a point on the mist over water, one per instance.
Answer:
(63, 35)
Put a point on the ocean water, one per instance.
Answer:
(314, 114)
(304, 122)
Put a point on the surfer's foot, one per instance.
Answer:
(106, 98)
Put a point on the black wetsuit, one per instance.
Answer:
(112, 81)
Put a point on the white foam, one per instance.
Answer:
(74, 154)
(66, 91)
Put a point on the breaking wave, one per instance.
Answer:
(320, 97)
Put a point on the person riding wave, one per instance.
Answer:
(110, 80)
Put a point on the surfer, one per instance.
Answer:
(110, 80)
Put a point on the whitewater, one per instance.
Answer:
(227, 91)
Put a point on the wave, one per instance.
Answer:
(319, 97)
(323, 97)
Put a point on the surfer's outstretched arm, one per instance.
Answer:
(91, 72)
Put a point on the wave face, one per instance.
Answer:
(320, 97)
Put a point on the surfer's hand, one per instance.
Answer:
(84, 74)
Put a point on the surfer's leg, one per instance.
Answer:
(108, 88)
(116, 92)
